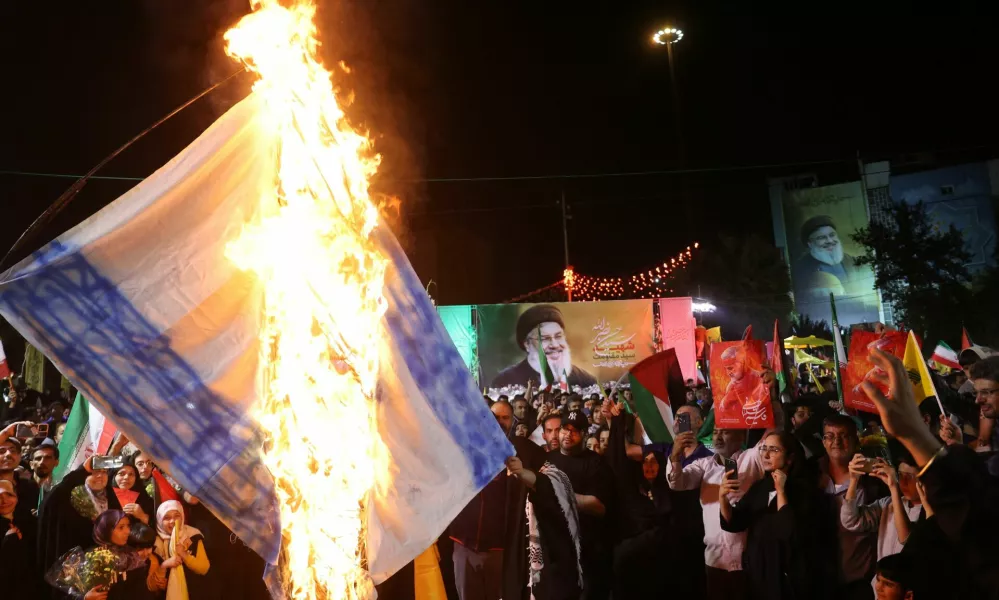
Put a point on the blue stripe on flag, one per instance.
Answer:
(120, 361)
(437, 368)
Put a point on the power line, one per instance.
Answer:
(513, 177)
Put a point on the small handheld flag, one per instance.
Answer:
(547, 377)
(945, 356)
(919, 374)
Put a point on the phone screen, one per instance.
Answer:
(24, 431)
(682, 423)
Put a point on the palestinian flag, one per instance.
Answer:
(654, 381)
(943, 355)
(965, 340)
(87, 433)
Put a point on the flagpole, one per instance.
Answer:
(837, 337)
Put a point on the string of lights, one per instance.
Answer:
(653, 283)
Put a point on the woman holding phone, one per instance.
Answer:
(781, 512)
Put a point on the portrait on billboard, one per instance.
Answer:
(743, 397)
(820, 223)
(583, 343)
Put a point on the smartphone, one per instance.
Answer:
(731, 465)
(109, 462)
(868, 465)
(682, 423)
(25, 431)
(42, 430)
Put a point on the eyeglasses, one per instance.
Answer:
(986, 393)
(843, 437)
(771, 450)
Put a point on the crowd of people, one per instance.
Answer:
(830, 504)
(587, 508)
(114, 527)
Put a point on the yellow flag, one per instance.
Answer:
(713, 335)
(919, 374)
(815, 380)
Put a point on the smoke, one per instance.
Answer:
(372, 41)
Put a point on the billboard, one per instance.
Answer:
(584, 342)
(819, 224)
(960, 196)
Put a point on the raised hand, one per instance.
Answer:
(729, 485)
(899, 412)
(780, 480)
(857, 465)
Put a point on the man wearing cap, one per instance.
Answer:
(543, 325)
(593, 485)
(826, 266)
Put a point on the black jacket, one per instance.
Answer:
(957, 550)
(783, 547)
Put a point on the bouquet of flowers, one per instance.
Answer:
(79, 571)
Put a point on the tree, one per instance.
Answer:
(747, 279)
(804, 326)
(920, 269)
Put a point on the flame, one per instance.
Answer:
(323, 278)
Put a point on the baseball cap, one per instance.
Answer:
(577, 419)
(7, 487)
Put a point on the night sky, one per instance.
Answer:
(530, 99)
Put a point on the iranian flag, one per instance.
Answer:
(944, 355)
(87, 433)
(4, 369)
(654, 381)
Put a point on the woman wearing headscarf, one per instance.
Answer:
(111, 570)
(124, 483)
(17, 547)
(786, 546)
(644, 521)
(66, 519)
(180, 550)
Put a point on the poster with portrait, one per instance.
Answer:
(819, 225)
(583, 342)
(859, 367)
(742, 399)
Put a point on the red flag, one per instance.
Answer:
(164, 490)
(965, 340)
(748, 334)
(4, 369)
(126, 496)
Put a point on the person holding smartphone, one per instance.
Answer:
(722, 549)
(785, 550)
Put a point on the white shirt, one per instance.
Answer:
(722, 549)
(878, 516)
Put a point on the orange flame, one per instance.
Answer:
(323, 280)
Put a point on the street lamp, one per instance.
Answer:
(667, 36)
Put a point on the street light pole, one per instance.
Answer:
(668, 36)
